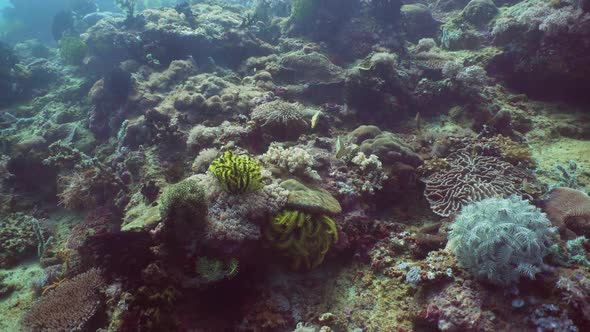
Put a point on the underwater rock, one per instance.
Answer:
(569, 208)
(459, 307)
(93, 18)
(418, 21)
(18, 239)
(479, 12)
(456, 35)
(544, 53)
(110, 44)
(385, 145)
(139, 215)
(309, 68)
(309, 198)
(217, 36)
(449, 5)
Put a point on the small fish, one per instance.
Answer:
(315, 118)
(418, 121)
(340, 150)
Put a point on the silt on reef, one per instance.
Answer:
(295, 165)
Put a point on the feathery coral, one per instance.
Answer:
(237, 174)
(304, 237)
(500, 240)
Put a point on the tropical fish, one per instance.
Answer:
(340, 150)
(315, 118)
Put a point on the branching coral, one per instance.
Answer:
(237, 174)
(295, 160)
(68, 307)
(500, 240)
(303, 237)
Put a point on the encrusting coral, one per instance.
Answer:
(237, 174)
(303, 237)
(570, 208)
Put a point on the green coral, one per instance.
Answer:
(72, 50)
(304, 237)
(237, 174)
(184, 202)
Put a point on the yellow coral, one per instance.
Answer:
(237, 174)
(304, 237)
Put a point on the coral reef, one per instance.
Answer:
(280, 165)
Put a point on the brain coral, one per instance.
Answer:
(471, 178)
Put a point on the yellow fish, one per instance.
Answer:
(340, 150)
(315, 118)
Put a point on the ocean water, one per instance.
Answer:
(294, 165)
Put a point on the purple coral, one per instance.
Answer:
(471, 178)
